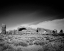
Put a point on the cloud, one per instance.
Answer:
(54, 24)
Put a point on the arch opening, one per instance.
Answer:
(20, 29)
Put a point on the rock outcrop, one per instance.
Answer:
(3, 30)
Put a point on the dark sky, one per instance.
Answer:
(14, 13)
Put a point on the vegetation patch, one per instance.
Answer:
(24, 44)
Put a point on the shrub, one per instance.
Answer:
(1, 44)
(4, 47)
(40, 50)
(1, 39)
(39, 43)
(47, 38)
(30, 43)
(19, 49)
(21, 44)
(13, 50)
(54, 47)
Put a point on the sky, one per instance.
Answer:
(33, 13)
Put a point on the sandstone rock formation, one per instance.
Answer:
(3, 29)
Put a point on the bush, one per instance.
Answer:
(1, 44)
(19, 49)
(1, 39)
(54, 47)
(21, 44)
(4, 47)
(39, 43)
(47, 38)
(30, 43)
(13, 50)
(40, 50)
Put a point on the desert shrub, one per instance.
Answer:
(39, 43)
(13, 49)
(58, 46)
(19, 49)
(48, 47)
(47, 38)
(7, 47)
(4, 47)
(30, 43)
(21, 44)
(1, 44)
(54, 47)
(10, 50)
(40, 49)
(1, 48)
(1, 39)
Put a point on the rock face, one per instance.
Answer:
(3, 29)
(26, 30)
(44, 31)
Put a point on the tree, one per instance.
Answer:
(36, 30)
(61, 31)
(53, 32)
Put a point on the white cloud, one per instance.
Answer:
(54, 24)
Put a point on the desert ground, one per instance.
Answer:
(31, 42)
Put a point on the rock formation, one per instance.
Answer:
(3, 29)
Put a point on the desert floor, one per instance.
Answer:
(31, 42)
